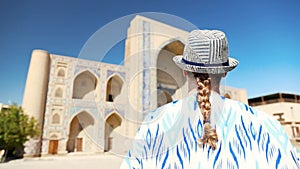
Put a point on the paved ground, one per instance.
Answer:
(98, 161)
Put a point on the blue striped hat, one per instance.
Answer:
(206, 52)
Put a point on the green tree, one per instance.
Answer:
(15, 129)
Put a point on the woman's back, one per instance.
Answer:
(247, 138)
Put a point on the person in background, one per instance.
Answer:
(205, 129)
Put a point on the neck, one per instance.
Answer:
(216, 88)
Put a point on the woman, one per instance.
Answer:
(206, 130)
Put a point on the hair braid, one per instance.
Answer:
(203, 93)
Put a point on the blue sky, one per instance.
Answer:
(263, 35)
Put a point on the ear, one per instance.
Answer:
(184, 73)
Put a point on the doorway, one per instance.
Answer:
(53, 147)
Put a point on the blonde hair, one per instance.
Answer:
(204, 83)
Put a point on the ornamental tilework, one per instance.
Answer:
(146, 64)
(110, 72)
(108, 111)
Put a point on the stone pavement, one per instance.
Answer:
(83, 161)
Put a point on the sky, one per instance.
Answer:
(263, 35)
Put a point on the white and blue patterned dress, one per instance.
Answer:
(247, 138)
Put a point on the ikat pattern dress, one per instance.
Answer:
(247, 139)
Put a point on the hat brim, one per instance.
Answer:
(232, 63)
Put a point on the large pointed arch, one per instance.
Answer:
(80, 123)
(114, 86)
(168, 75)
(84, 84)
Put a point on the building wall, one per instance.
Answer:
(290, 117)
(80, 75)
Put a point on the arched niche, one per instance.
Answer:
(61, 73)
(58, 93)
(113, 121)
(84, 84)
(113, 87)
(56, 118)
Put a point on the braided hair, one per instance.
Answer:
(204, 83)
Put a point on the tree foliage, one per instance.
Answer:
(16, 128)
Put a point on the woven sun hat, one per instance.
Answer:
(206, 52)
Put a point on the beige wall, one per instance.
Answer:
(146, 38)
(291, 116)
